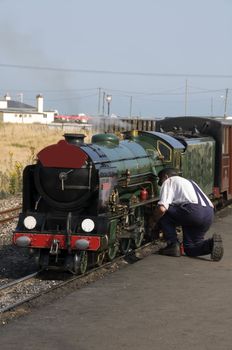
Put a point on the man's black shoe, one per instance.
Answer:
(217, 249)
(172, 249)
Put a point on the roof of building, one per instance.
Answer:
(18, 105)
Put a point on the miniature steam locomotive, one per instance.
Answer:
(83, 203)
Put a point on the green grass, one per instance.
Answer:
(19, 145)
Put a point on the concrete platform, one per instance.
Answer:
(158, 303)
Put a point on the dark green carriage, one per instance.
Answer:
(198, 162)
(198, 137)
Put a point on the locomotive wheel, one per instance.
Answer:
(80, 262)
(112, 251)
(137, 241)
(139, 235)
(100, 258)
(125, 244)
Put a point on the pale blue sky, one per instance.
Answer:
(183, 37)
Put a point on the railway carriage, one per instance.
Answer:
(218, 129)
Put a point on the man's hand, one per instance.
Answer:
(159, 211)
(153, 228)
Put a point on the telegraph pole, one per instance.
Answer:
(103, 103)
(226, 100)
(211, 106)
(186, 98)
(130, 106)
(99, 101)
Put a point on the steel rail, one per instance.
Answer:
(74, 278)
(9, 211)
(19, 280)
(6, 211)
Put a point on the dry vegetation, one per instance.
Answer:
(19, 145)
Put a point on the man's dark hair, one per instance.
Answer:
(167, 171)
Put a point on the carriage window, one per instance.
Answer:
(164, 150)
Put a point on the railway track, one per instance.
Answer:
(22, 290)
(9, 214)
(26, 289)
(17, 281)
(19, 296)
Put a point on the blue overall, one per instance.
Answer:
(195, 221)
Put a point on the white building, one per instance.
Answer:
(18, 112)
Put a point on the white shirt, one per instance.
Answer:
(177, 190)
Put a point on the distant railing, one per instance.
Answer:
(109, 125)
(119, 124)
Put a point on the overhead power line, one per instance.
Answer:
(111, 72)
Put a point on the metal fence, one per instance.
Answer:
(109, 125)
(120, 125)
